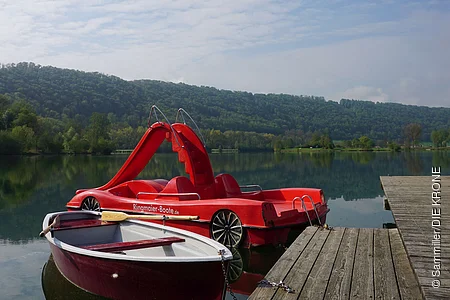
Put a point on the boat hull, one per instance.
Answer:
(122, 279)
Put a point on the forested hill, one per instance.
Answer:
(60, 93)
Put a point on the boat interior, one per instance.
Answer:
(181, 188)
(128, 238)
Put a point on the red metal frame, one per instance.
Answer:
(266, 215)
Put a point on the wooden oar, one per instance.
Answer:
(49, 227)
(113, 216)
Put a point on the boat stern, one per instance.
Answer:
(294, 206)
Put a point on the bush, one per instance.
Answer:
(394, 146)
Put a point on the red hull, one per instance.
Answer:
(141, 280)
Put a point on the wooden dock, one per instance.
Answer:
(352, 263)
(410, 200)
(343, 263)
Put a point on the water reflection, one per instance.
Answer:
(20, 264)
(56, 287)
(30, 187)
(441, 158)
(365, 213)
(414, 163)
(247, 268)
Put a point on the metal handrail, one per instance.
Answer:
(304, 207)
(180, 112)
(154, 109)
(168, 194)
(251, 186)
(293, 201)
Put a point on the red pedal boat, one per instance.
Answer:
(228, 213)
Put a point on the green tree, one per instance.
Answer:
(356, 143)
(25, 136)
(74, 143)
(315, 139)
(24, 114)
(278, 145)
(365, 142)
(439, 137)
(288, 143)
(412, 132)
(326, 142)
(393, 146)
(49, 137)
(97, 134)
(4, 103)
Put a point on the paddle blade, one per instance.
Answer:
(114, 216)
(55, 223)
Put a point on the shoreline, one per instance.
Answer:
(288, 151)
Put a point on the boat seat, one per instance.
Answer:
(226, 186)
(133, 245)
(179, 185)
(76, 224)
(157, 184)
(161, 182)
(146, 186)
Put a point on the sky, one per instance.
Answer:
(384, 51)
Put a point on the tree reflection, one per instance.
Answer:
(30, 187)
(414, 162)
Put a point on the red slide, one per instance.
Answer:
(140, 156)
(190, 150)
(194, 155)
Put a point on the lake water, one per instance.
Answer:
(30, 187)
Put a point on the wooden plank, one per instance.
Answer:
(420, 213)
(407, 283)
(385, 282)
(296, 278)
(339, 283)
(429, 260)
(434, 293)
(362, 280)
(410, 200)
(317, 281)
(284, 264)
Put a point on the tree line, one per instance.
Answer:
(52, 110)
(22, 130)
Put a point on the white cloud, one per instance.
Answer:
(365, 92)
(329, 48)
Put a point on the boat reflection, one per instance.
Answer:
(56, 287)
(249, 266)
